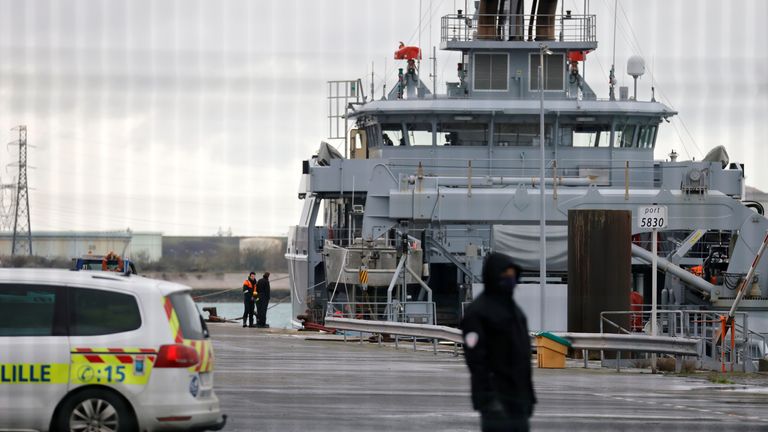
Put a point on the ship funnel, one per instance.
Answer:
(636, 68)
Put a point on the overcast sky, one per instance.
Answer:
(185, 116)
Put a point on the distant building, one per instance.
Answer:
(260, 243)
(69, 244)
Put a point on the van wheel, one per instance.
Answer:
(95, 411)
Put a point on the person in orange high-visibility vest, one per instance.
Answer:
(249, 299)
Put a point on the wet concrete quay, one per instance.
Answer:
(278, 380)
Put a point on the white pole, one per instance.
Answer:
(542, 188)
(654, 295)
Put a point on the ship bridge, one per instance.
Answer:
(496, 101)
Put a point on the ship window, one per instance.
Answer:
(514, 135)
(645, 139)
(392, 134)
(462, 134)
(625, 136)
(591, 136)
(554, 71)
(420, 137)
(413, 135)
(490, 72)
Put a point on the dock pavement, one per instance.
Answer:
(284, 380)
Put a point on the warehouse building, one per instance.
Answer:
(70, 244)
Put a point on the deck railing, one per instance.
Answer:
(539, 28)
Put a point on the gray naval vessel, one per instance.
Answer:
(395, 226)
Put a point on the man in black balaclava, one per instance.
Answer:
(497, 349)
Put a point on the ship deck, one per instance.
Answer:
(281, 380)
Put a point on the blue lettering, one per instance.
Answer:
(45, 373)
(3, 378)
(32, 374)
(21, 374)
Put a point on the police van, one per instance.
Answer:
(94, 351)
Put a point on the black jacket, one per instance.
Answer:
(262, 286)
(497, 346)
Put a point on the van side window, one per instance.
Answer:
(191, 323)
(28, 310)
(96, 312)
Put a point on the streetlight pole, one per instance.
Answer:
(542, 189)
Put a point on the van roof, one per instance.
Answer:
(134, 283)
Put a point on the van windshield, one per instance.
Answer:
(190, 320)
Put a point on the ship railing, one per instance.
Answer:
(742, 346)
(413, 312)
(618, 172)
(518, 27)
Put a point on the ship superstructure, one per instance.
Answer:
(397, 227)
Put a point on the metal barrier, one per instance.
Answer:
(514, 27)
(632, 343)
(414, 312)
(396, 328)
(579, 341)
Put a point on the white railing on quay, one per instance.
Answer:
(579, 341)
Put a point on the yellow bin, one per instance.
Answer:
(551, 350)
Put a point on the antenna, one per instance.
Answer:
(384, 90)
(612, 75)
(418, 60)
(22, 232)
(434, 73)
(653, 84)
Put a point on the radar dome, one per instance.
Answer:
(636, 66)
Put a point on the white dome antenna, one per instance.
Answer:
(636, 68)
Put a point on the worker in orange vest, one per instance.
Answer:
(250, 294)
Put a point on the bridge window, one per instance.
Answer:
(490, 72)
(646, 136)
(625, 135)
(462, 134)
(514, 135)
(590, 136)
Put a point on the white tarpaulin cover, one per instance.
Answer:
(521, 242)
